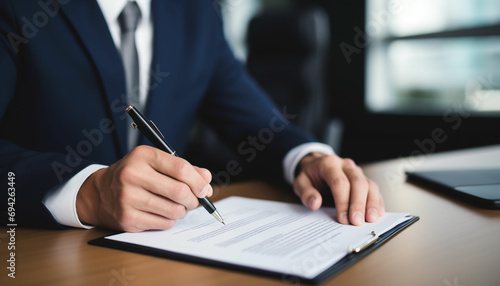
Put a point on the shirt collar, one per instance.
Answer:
(111, 9)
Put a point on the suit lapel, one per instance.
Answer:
(166, 50)
(90, 25)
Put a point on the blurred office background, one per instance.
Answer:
(377, 79)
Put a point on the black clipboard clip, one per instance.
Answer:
(364, 245)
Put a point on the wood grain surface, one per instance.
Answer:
(452, 244)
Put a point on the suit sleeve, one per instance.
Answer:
(244, 116)
(35, 172)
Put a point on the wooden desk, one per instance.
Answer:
(452, 244)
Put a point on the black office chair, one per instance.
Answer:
(288, 52)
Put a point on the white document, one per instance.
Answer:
(273, 236)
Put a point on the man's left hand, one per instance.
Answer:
(357, 198)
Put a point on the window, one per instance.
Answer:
(427, 57)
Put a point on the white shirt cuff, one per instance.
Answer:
(294, 156)
(61, 201)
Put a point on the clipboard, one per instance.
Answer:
(328, 273)
(325, 275)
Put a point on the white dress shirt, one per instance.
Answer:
(61, 201)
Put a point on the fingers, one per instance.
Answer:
(174, 180)
(208, 178)
(366, 203)
(137, 221)
(148, 202)
(310, 197)
(148, 221)
(357, 199)
(174, 167)
(374, 203)
(331, 171)
(138, 209)
(358, 185)
(147, 189)
(170, 189)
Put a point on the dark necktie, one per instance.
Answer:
(128, 19)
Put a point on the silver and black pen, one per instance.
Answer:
(149, 129)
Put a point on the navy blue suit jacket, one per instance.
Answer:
(62, 93)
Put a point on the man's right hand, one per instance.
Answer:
(146, 189)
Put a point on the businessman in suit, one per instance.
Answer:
(68, 70)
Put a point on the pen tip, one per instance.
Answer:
(223, 223)
(218, 217)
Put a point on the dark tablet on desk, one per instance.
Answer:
(480, 187)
